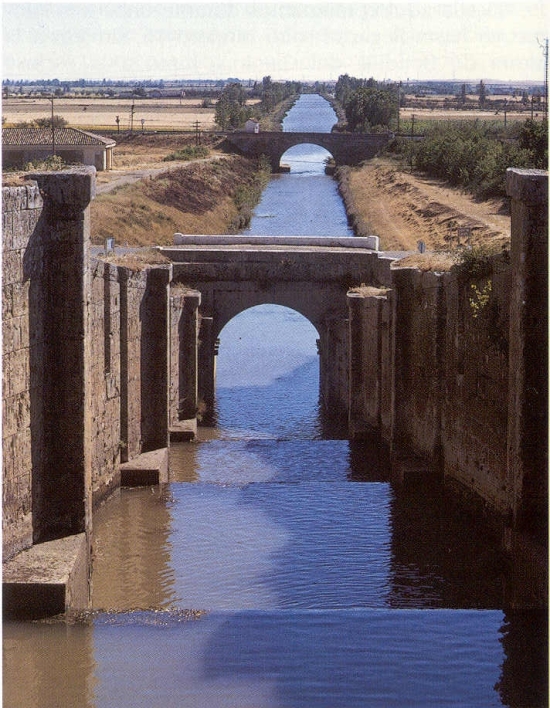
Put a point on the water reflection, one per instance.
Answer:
(524, 679)
(422, 659)
(48, 665)
(132, 563)
(442, 555)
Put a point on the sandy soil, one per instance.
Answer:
(403, 209)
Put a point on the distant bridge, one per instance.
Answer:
(345, 148)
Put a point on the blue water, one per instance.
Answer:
(304, 202)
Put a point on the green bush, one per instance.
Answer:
(49, 164)
(475, 155)
(189, 152)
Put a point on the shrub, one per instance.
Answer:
(189, 152)
(51, 163)
(475, 156)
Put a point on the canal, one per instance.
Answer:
(281, 567)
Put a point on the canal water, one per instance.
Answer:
(281, 567)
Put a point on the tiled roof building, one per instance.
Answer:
(22, 145)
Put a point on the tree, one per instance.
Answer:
(463, 94)
(369, 108)
(58, 122)
(482, 93)
(231, 110)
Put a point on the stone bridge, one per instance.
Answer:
(345, 148)
(310, 275)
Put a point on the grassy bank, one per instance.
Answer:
(208, 197)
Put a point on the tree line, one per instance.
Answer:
(232, 110)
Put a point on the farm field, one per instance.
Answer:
(101, 113)
(183, 113)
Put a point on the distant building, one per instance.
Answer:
(22, 145)
(252, 126)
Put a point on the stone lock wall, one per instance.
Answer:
(98, 361)
(21, 431)
(105, 379)
(452, 368)
(184, 338)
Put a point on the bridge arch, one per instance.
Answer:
(247, 337)
(311, 275)
(346, 148)
(323, 305)
(303, 150)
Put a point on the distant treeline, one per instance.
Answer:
(232, 111)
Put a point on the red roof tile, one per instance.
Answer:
(43, 136)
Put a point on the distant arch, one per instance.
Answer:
(293, 154)
(346, 148)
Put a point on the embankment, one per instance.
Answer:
(208, 197)
(402, 208)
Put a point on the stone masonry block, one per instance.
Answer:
(75, 187)
(527, 186)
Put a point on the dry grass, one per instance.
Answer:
(137, 260)
(403, 209)
(192, 198)
(369, 291)
(90, 113)
(427, 114)
(437, 261)
(101, 113)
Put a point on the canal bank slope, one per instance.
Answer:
(384, 198)
(213, 195)
(216, 195)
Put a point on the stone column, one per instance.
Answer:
(62, 479)
(188, 332)
(207, 367)
(155, 360)
(528, 355)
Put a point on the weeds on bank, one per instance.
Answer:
(189, 152)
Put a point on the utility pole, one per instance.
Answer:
(132, 111)
(197, 133)
(545, 52)
(398, 107)
(53, 128)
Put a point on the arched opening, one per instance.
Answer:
(305, 159)
(267, 375)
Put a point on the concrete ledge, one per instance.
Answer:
(370, 243)
(47, 579)
(147, 469)
(410, 469)
(184, 430)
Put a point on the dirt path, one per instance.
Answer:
(403, 208)
(108, 181)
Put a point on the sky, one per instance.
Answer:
(393, 40)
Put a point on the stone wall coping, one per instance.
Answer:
(49, 562)
(21, 198)
(370, 243)
(75, 186)
(528, 186)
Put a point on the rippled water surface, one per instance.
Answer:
(281, 567)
